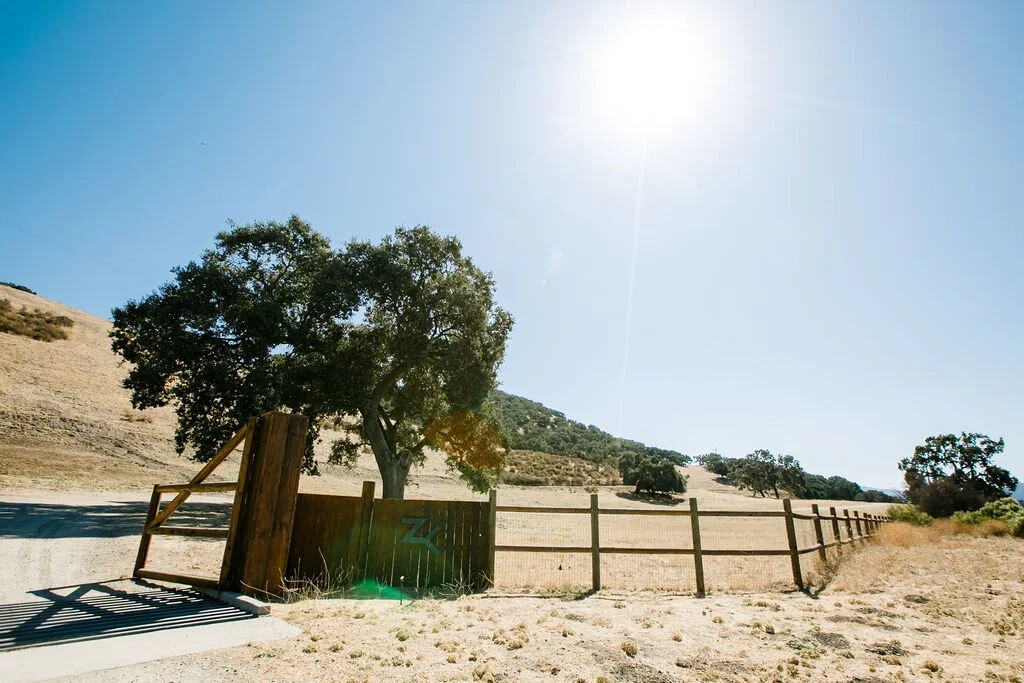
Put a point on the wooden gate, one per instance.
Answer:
(259, 531)
(407, 544)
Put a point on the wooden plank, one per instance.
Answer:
(595, 543)
(459, 542)
(698, 556)
(849, 524)
(522, 508)
(744, 553)
(209, 467)
(793, 550)
(186, 579)
(365, 522)
(154, 505)
(742, 513)
(657, 513)
(216, 487)
(202, 532)
(818, 533)
(267, 514)
(542, 549)
(480, 548)
(647, 551)
(860, 531)
(230, 556)
(492, 524)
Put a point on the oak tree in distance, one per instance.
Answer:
(948, 473)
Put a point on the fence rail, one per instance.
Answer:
(857, 526)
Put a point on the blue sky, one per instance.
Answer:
(827, 239)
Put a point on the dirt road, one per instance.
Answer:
(50, 540)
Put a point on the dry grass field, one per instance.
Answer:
(76, 464)
(917, 606)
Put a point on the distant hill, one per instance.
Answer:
(532, 426)
(1019, 493)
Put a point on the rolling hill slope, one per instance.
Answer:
(66, 421)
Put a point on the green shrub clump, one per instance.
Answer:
(1005, 509)
(910, 515)
(34, 324)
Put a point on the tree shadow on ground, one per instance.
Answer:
(107, 520)
(651, 498)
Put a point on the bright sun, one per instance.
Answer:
(652, 76)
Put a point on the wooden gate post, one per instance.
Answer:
(794, 555)
(698, 553)
(818, 535)
(595, 543)
(266, 510)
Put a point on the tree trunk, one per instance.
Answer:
(394, 476)
(394, 467)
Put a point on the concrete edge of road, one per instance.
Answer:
(237, 600)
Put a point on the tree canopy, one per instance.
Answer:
(535, 427)
(404, 334)
(762, 471)
(948, 473)
(428, 348)
(650, 474)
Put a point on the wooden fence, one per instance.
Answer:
(857, 527)
(408, 544)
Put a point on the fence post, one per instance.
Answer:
(857, 522)
(698, 554)
(365, 524)
(794, 555)
(267, 508)
(849, 524)
(492, 525)
(835, 528)
(818, 535)
(595, 543)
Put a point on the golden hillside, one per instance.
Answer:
(64, 416)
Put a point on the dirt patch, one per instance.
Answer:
(836, 641)
(892, 647)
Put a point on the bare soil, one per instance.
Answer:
(950, 610)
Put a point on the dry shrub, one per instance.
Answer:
(986, 527)
(532, 468)
(904, 535)
(35, 324)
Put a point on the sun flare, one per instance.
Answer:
(652, 75)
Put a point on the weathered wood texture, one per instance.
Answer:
(266, 510)
(412, 544)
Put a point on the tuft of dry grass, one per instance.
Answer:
(34, 324)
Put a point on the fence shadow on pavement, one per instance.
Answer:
(107, 610)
